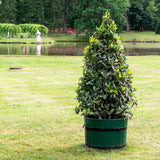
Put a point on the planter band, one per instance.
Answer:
(105, 148)
(105, 129)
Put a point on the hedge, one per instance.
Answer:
(32, 28)
(11, 28)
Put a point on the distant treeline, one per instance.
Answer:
(81, 14)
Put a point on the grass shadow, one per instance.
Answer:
(82, 148)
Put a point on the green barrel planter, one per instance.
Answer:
(105, 133)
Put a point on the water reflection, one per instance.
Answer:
(8, 51)
(25, 50)
(73, 49)
(38, 49)
(70, 49)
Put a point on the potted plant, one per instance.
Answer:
(105, 93)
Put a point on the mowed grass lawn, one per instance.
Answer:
(139, 36)
(37, 119)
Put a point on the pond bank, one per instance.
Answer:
(46, 40)
(135, 37)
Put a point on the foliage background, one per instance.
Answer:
(86, 14)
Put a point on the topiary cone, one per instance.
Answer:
(105, 90)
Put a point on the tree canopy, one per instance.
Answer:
(83, 15)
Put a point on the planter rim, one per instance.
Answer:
(107, 119)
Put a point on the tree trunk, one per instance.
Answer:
(64, 12)
(127, 23)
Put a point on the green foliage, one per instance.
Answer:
(91, 16)
(32, 28)
(82, 15)
(21, 36)
(142, 15)
(117, 9)
(53, 14)
(8, 11)
(32, 11)
(105, 90)
(157, 30)
(11, 28)
(43, 29)
(26, 11)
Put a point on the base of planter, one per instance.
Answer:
(107, 148)
(106, 133)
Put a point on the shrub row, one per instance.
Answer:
(32, 28)
(11, 28)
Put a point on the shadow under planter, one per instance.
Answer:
(106, 133)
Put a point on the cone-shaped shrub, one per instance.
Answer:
(105, 90)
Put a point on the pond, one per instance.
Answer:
(73, 49)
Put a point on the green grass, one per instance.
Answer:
(140, 36)
(61, 37)
(37, 117)
(26, 40)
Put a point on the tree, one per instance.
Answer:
(142, 14)
(27, 8)
(64, 14)
(32, 11)
(90, 13)
(117, 9)
(53, 14)
(8, 11)
(86, 14)
(127, 22)
(38, 12)
(72, 13)
(157, 30)
(18, 7)
(157, 5)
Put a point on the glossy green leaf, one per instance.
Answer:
(106, 90)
